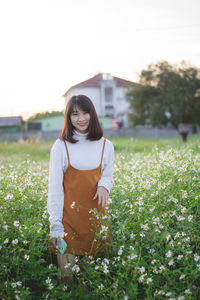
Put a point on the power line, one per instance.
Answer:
(167, 28)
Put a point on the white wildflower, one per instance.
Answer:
(169, 253)
(73, 204)
(101, 286)
(184, 194)
(180, 218)
(120, 250)
(132, 235)
(155, 270)
(9, 196)
(48, 280)
(157, 229)
(179, 257)
(76, 268)
(15, 242)
(141, 278)
(183, 209)
(132, 256)
(142, 269)
(162, 268)
(5, 227)
(145, 227)
(105, 269)
(196, 257)
(151, 251)
(16, 223)
(171, 262)
(149, 280)
(142, 234)
(50, 287)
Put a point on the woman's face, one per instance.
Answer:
(80, 119)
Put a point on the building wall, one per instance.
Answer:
(51, 123)
(57, 122)
(92, 92)
(121, 102)
(122, 106)
(108, 84)
(10, 129)
(118, 107)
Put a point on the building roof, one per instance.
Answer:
(10, 121)
(95, 81)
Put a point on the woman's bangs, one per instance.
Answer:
(82, 105)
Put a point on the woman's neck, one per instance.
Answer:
(80, 136)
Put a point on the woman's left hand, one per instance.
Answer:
(102, 194)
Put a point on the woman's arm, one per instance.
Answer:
(106, 179)
(106, 183)
(55, 190)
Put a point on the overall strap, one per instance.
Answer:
(103, 150)
(67, 153)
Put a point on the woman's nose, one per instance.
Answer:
(81, 117)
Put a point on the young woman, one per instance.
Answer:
(80, 180)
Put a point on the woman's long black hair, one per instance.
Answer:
(95, 130)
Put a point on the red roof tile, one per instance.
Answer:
(96, 81)
(122, 82)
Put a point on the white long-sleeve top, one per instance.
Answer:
(83, 155)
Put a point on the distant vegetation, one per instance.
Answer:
(46, 114)
(167, 94)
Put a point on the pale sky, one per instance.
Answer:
(49, 45)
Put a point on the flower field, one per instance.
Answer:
(154, 212)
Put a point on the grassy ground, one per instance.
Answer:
(39, 151)
(154, 212)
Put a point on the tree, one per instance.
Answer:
(167, 94)
(46, 114)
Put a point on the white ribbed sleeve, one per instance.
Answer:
(55, 191)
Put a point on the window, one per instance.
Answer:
(108, 94)
(109, 110)
(35, 126)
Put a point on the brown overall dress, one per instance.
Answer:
(87, 230)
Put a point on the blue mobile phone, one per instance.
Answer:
(63, 246)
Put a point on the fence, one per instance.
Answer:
(126, 132)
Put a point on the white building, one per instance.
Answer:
(108, 93)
